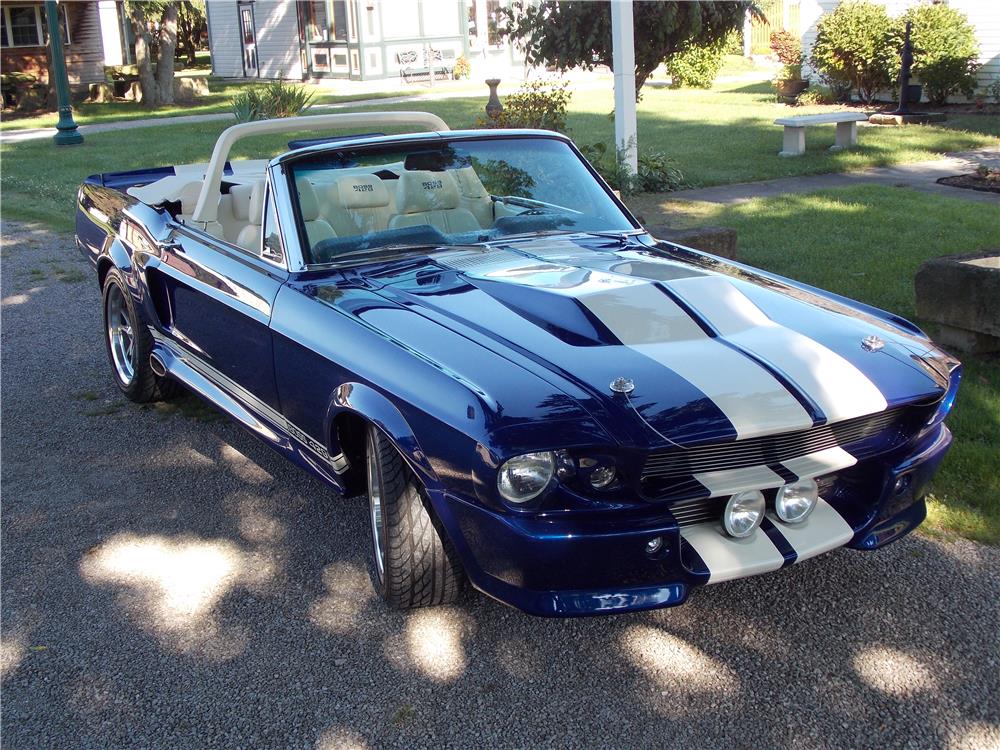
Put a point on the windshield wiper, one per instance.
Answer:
(530, 203)
(394, 250)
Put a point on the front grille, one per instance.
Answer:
(769, 449)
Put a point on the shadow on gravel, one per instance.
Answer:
(171, 582)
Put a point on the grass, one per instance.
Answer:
(720, 136)
(867, 242)
(217, 101)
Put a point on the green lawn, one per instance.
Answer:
(867, 242)
(220, 93)
(720, 136)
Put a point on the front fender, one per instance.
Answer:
(366, 402)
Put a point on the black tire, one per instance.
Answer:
(415, 565)
(143, 385)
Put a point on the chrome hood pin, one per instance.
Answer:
(872, 343)
(622, 385)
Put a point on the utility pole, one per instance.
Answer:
(68, 134)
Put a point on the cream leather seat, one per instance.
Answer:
(248, 210)
(424, 197)
(358, 204)
(189, 201)
(473, 195)
(317, 228)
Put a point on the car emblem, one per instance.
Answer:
(872, 343)
(622, 385)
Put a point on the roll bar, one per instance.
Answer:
(208, 201)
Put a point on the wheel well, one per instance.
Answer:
(349, 431)
(103, 266)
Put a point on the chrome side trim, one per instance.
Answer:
(236, 400)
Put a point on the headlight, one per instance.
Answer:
(743, 513)
(523, 478)
(795, 501)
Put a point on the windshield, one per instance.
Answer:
(460, 192)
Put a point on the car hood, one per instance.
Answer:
(698, 350)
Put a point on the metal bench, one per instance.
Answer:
(795, 130)
(433, 64)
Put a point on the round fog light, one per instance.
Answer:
(654, 545)
(744, 512)
(602, 477)
(794, 502)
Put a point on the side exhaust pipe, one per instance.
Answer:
(156, 365)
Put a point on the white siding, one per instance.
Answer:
(984, 15)
(277, 39)
(224, 38)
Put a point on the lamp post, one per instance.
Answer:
(68, 134)
(623, 58)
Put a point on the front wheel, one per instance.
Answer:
(414, 564)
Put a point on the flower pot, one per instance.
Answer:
(790, 88)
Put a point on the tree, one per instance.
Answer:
(577, 33)
(157, 88)
(190, 27)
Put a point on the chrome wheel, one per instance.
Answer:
(120, 335)
(375, 505)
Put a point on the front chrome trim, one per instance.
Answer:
(237, 401)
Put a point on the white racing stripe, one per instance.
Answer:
(728, 558)
(825, 529)
(819, 463)
(731, 481)
(648, 321)
(839, 388)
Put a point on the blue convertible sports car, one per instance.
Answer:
(536, 395)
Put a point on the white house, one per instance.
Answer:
(356, 39)
(984, 15)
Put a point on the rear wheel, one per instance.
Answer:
(129, 344)
(414, 564)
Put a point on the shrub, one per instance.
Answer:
(821, 95)
(733, 43)
(462, 68)
(540, 103)
(657, 172)
(993, 91)
(944, 50)
(788, 49)
(854, 47)
(272, 100)
(696, 66)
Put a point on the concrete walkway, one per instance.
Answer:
(921, 175)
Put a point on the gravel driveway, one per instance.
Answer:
(168, 581)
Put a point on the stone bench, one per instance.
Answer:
(795, 130)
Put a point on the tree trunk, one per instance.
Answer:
(147, 82)
(165, 59)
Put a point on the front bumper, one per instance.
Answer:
(600, 563)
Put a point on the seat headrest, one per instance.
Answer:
(420, 191)
(308, 202)
(257, 202)
(359, 191)
(469, 184)
(241, 195)
(189, 197)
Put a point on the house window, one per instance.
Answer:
(24, 26)
(494, 39)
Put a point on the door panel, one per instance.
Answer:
(219, 303)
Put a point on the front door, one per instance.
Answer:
(248, 33)
(215, 303)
